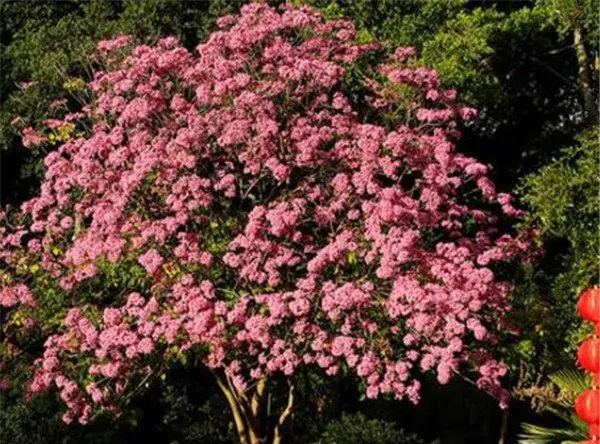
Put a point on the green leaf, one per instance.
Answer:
(571, 380)
(544, 435)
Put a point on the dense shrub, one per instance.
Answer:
(357, 429)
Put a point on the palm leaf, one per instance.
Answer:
(569, 417)
(544, 435)
(574, 381)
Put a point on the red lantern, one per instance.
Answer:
(587, 406)
(589, 305)
(589, 355)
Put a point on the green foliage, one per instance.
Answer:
(400, 23)
(564, 205)
(568, 14)
(38, 422)
(547, 435)
(358, 429)
(563, 195)
(461, 53)
(190, 413)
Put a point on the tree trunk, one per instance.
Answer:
(504, 426)
(238, 418)
(589, 102)
(251, 423)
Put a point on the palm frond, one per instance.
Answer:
(534, 434)
(569, 417)
(574, 381)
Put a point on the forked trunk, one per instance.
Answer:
(252, 423)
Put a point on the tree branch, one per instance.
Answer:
(286, 412)
(246, 411)
(235, 410)
(258, 397)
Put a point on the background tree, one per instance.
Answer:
(564, 201)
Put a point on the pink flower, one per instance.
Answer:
(66, 222)
(403, 53)
(146, 346)
(114, 43)
(32, 138)
(151, 261)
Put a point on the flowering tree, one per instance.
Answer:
(279, 200)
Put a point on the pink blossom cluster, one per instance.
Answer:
(11, 295)
(275, 227)
(32, 138)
